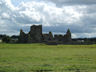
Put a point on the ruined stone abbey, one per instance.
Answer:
(35, 35)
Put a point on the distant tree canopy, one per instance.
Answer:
(14, 37)
(6, 39)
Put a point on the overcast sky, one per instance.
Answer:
(55, 15)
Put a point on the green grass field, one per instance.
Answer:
(47, 58)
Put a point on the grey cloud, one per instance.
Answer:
(73, 28)
(73, 2)
(26, 20)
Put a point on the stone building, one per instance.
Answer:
(35, 36)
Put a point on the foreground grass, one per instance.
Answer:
(44, 58)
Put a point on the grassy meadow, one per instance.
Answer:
(47, 58)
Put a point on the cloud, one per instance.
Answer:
(73, 2)
(79, 18)
(5, 16)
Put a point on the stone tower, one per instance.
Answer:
(36, 33)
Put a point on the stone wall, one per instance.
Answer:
(47, 37)
(23, 37)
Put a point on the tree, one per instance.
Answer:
(6, 39)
